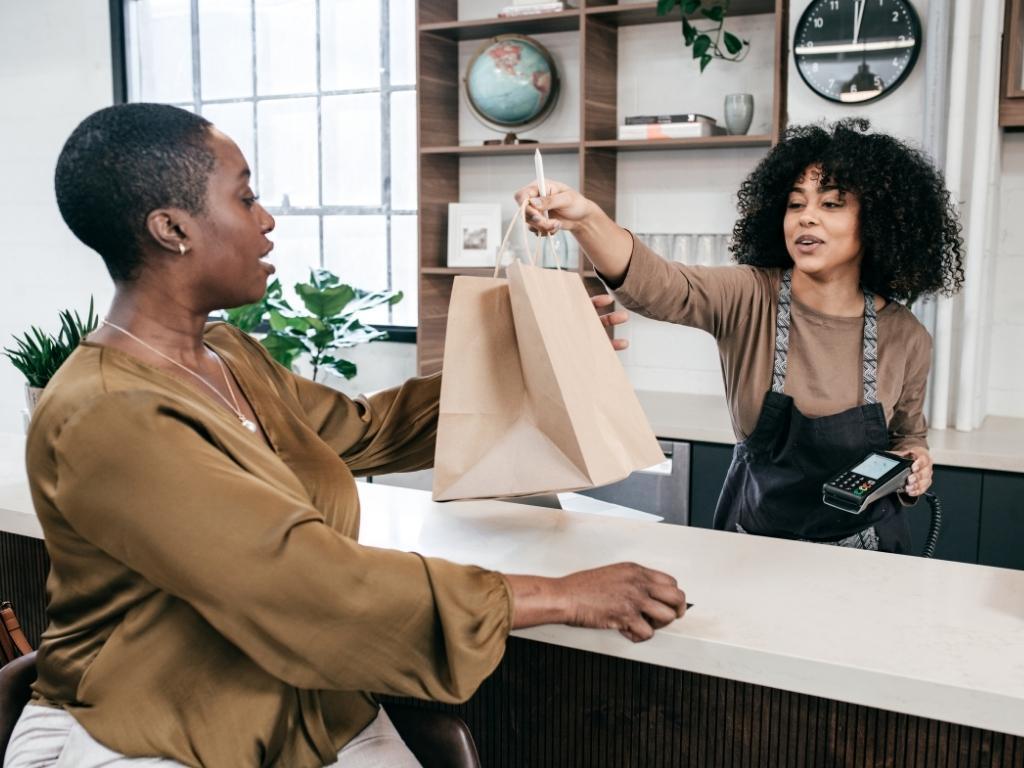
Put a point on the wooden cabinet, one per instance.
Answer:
(959, 491)
(1002, 521)
(1011, 90)
(597, 22)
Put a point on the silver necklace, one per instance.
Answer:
(233, 406)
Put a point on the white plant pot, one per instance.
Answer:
(32, 395)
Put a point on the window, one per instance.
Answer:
(320, 96)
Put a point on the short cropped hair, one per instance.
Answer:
(909, 227)
(120, 164)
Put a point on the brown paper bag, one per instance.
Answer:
(533, 397)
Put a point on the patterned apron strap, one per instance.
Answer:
(783, 319)
(870, 348)
(783, 315)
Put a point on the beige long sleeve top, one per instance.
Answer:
(208, 599)
(737, 305)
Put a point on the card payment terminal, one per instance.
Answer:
(875, 476)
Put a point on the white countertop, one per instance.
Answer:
(924, 637)
(997, 445)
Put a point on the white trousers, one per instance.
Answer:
(45, 737)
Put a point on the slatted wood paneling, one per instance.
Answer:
(555, 707)
(23, 569)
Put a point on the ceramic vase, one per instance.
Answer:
(739, 111)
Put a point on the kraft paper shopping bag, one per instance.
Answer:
(533, 397)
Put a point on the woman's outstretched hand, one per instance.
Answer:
(563, 208)
(627, 597)
(606, 244)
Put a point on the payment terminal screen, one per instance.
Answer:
(875, 466)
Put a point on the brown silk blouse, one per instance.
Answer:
(208, 599)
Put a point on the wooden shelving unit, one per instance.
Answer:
(439, 32)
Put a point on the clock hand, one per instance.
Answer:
(876, 45)
(858, 16)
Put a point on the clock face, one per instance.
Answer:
(856, 51)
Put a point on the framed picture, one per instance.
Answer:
(474, 234)
(1011, 91)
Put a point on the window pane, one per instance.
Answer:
(403, 42)
(351, 136)
(404, 268)
(355, 249)
(225, 48)
(285, 46)
(235, 120)
(160, 50)
(288, 159)
(296, 251)
(350, 44)
(403, 150)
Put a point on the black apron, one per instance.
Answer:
(773, 487)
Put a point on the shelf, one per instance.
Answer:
(491, 150)
(480, 29)
(699, 142)
(455, 271)
(633, 14)
(485, 271)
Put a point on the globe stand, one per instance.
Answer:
(510, 138)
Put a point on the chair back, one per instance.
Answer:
(437, 739)
(16, 680)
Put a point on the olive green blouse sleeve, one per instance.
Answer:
(719, 300)
(394, 430)
(154, 489)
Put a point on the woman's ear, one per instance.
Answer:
(169, 229)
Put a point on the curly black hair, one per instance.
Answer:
(909, 227)
(120, 164)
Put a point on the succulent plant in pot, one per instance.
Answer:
(38, 354)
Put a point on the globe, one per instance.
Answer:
(511, 82)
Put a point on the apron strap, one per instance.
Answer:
(783, 320)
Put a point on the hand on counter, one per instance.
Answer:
(625, 596)
(920, 479)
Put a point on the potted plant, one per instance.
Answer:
(38, 355)
(327, 322)
(710, 42)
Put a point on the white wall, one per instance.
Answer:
(55, 68)
(1006, 363)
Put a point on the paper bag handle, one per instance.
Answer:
(520, 217)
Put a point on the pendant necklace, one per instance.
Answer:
(232, 405)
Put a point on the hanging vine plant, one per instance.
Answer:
(711, 42)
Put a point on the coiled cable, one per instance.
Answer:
(936, 525)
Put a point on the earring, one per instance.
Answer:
(182, 249)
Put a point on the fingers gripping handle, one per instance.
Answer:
(533, 253)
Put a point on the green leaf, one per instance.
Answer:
(715, 13)
(732, 43)
(325, 302)
(704, 61)
(281, 320)
(689, 32)
(700, 47)
(246, 317)
(284, 349)
(665, 6)
(323, 278)
(690, 6)
(342, 367)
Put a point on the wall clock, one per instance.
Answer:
(856, 51)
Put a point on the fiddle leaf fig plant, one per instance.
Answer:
(327, 322)
(712, 42)
(38, 355)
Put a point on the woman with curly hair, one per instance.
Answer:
(822, 361)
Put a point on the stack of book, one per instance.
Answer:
(684, 126)
(530, 8)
